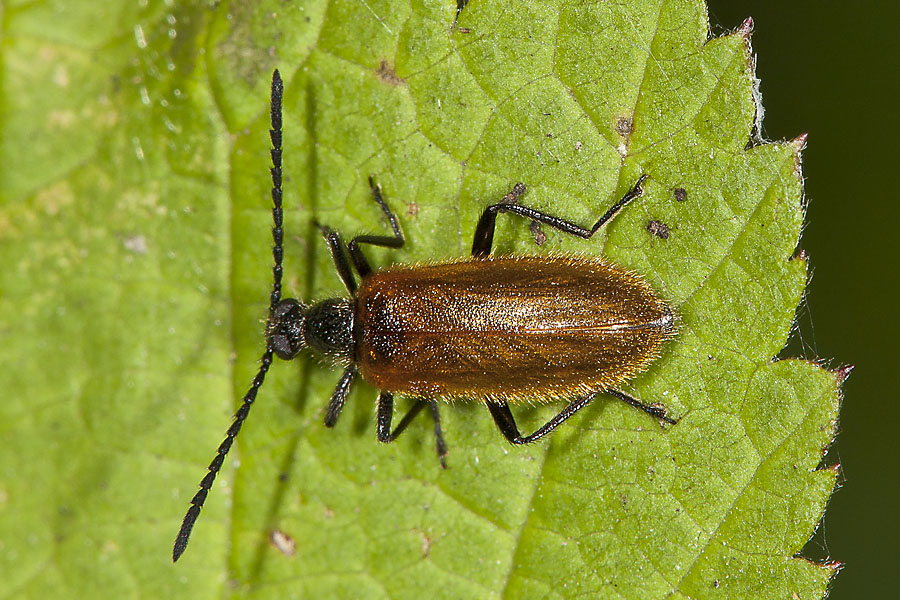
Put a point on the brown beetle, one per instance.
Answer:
(502, 330)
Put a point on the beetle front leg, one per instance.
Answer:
(484, 231)
(340, 394)
(336, 248)
(395, 241)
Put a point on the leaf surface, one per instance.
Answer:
(134, 230)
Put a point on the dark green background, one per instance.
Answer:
(830, 69)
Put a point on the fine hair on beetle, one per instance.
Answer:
(501, 330)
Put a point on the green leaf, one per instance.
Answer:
(134, 234)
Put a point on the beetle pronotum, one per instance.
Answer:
(503, 330)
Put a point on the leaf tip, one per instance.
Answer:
(842, 373)
(801, 255)
(746, 28)
(798, 144)
(835, 566)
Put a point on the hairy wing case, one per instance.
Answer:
(507, 328)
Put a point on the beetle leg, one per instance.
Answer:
(439, 443)
(484, 231)
(385, 415)
(359, 260)
(340, 394)
(336, 248)
(654, 410)
(504, 419)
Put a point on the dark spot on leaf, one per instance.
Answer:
(513, 196)
(659, 229)
(680, 194)
(624, 126)
(387, 74)
(539, 236)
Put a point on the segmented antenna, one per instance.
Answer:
(199, 498)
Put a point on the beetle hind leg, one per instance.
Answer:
(439, 443)
(507, 424)
(654, 410)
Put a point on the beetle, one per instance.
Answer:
(502, 329)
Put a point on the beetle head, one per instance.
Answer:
(285, 329)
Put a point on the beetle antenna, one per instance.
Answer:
(277, 232)
(184, 534)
